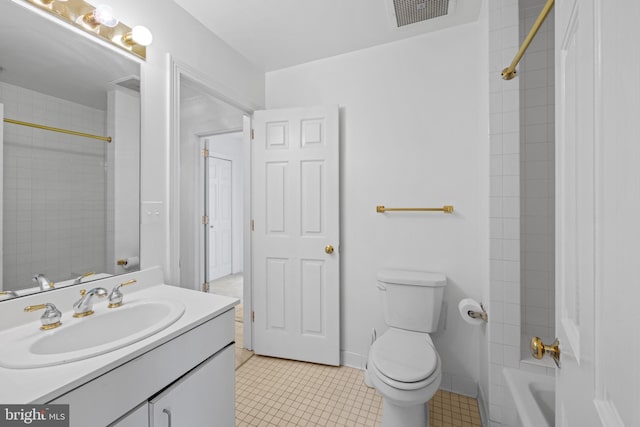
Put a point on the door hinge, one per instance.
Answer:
(205, 287)
(253, 225)
(205, 153)
(253, 316)
(205, 219)
(253, 134)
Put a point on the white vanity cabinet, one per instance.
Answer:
(191, 378)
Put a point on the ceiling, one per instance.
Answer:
(41, 55)
(275, 34)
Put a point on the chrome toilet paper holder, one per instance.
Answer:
(479, 314)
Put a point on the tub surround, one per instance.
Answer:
(42, 385)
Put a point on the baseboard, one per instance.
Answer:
(352, 360)
(459, 384)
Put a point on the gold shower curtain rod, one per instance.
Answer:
(70, 132)
(510, 72)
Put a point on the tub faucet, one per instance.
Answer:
(84, 306)
(43, 282)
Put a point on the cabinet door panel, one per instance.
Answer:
(204, 397)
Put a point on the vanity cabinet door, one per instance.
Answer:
(204, 397)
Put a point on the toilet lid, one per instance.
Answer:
(404, 356)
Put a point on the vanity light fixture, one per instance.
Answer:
(99, 22)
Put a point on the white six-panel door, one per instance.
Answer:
(598, 211)
(296, 276)
(219, 186)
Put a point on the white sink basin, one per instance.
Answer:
(81, 338)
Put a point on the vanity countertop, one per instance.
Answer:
(40, 385)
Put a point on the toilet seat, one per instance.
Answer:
(405, 360)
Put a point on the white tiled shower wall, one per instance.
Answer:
(54, 189)
(537, 204)
(507, 123)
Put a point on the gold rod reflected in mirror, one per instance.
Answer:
(446, 209)
(70, 132)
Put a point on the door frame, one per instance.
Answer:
(177, 71)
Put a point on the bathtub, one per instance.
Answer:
(534, 396)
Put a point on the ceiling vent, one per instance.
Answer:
(409, 12)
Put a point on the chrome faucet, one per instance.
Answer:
(51, 317)
(43, 282)
(84, 306)
(78, 279)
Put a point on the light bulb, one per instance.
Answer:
(101, 15)
(138, 35)
(104, 15)
(141, 35)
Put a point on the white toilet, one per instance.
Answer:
(403, 364)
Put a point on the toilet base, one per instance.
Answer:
(405, 416)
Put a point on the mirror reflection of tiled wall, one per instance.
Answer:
(54, 189)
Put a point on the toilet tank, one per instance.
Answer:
(412, 299)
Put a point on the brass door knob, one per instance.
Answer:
(538, 349)
(328, 249)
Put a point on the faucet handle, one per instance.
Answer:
(115, 298)
(9, 294)
(78, 279)
(50, 318)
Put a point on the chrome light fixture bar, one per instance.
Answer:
(98, 21)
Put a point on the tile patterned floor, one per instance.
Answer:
(276, 392)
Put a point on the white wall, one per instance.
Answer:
(413, 134)
(176, 33)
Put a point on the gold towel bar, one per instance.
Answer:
(70, 132)
(445, 209)
(510, 72)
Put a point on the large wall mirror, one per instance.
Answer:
(70, 204)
